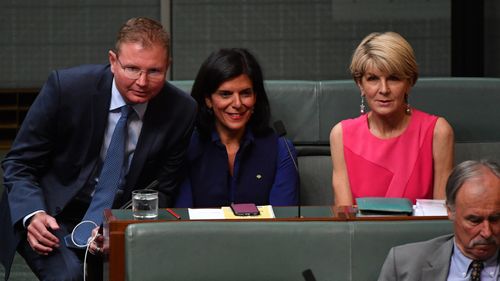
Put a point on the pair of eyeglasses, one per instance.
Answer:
(135, 73)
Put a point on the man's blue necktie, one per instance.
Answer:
(109, 179)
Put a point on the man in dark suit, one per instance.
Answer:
(473, 203)
(53, 168)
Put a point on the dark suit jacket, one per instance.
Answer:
(428, 260)
(59, 143)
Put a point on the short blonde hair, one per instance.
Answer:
(145, 31)
(387, 51)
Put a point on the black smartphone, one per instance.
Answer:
(245, 209)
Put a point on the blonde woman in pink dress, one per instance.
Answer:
(391, 150)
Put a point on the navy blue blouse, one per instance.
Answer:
(263, 173)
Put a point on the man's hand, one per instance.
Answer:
(96, 247)
(40, 237)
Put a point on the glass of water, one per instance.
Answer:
(145, 203)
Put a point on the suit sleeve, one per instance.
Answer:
(29, 155)
(388, 271)
(286, 182)
(184, 198)
(173, 169)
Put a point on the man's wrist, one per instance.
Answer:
(27, 219)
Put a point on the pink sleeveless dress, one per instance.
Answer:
(395, 167)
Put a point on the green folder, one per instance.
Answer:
(384, 206)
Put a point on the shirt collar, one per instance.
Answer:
(462, 261)
(117, 101)
(248, 136)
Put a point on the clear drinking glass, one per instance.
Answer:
(145, 203)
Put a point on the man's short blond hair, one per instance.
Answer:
(145, 31)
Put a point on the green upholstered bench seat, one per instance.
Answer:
(277, 250)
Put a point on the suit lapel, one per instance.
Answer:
(101, 99)
(438, 264)
(92, 133)
(152, 122)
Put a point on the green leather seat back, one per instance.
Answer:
(315, 179)
(236, 251)
(471, 107)
(487, 150)
(331, 250)
(296, 104)
(372, 240)
(469, 104)
(185, 85)
(339, 100)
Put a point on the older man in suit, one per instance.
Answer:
(473, 203)
(59, 157)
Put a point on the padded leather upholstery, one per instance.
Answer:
(296, 104)
(236, 250)
(309, 109)
(372, 240)
(315, 179)
(469, 104)
(268, 251)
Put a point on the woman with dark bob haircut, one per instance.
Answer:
(234, 156)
